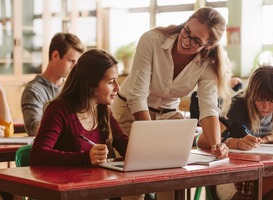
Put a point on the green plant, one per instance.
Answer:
(126, 51)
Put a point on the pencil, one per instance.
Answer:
(87, 140)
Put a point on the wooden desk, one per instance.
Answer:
(266, 160)
(7, 152)
(19, 126)
(65, 183)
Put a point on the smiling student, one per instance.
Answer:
(81, 109)
(168, 64)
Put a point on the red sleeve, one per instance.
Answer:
(56, 142)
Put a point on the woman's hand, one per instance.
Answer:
(2, 131)
(248, 142)
(220, 150)
(267, 139)
(98, 154)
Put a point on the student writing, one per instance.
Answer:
(250, 123)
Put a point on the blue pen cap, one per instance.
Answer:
(246, 130)
(236, 131)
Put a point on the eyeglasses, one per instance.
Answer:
(194, 41)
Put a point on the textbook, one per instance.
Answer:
(17, 140)
(265, 149)
(198, 157)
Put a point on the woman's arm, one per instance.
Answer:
(211, 138)
(142, 115)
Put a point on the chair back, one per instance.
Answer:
(22, 156)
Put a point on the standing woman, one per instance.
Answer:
(82, 108)
(169, 63)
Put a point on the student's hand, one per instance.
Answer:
(98, 154)
(220, 150)
(2, 131)
(249, 142)
(267, 139)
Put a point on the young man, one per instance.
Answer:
(64, 51)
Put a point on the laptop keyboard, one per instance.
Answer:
(119, 165)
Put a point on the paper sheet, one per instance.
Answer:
(266, 149)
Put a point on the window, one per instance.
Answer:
(125, 26)
(130, 19)
(267, 29)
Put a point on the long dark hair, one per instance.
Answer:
(79, 91)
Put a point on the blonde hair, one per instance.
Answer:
(217, 26)
(260, 87)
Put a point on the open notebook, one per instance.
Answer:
(157, 144)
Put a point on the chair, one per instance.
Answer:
(197, 194)
(22, 156)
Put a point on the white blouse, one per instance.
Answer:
(150, 82)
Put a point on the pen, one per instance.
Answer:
(225, 137)
(246, 130)
(87, 140)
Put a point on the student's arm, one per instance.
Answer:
(268, 139)
(32, 110)
(5, 114)
(4, 107)
(57, 142)
(247, 142)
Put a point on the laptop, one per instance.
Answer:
(157, 144)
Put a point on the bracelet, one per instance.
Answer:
(237, 145)
(227, 141)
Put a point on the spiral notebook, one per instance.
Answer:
(157, 144)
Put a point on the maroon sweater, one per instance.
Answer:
(58, 141)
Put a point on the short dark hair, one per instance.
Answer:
(62, 42)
